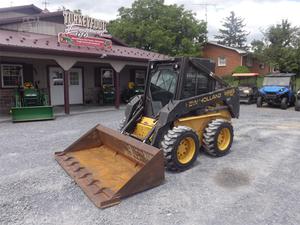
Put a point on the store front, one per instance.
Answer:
(89, 68)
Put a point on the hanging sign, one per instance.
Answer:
(72, 39)
(84, 31)
(71, 18)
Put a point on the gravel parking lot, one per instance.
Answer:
(257, 183)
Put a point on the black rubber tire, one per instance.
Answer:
(249, 101)
(210, 137)
(297, 105)
(284, 103)
(170, 144)
(259, 102)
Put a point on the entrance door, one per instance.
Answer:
(75, 86)
(56, 76)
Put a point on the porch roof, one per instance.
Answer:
(245, 74)
(48, 44)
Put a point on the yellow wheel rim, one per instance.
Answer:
(224, 138)
(186, 150)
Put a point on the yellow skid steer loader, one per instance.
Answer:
(185, 108)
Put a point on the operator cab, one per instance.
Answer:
(168, 80)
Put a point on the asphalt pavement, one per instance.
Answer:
(257, 183)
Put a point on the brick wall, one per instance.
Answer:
(233, 59)
(256, 68)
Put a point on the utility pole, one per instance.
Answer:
(205, 5)
(45, 2)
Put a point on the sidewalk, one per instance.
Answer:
(74, 110)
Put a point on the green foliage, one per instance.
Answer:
(233, 33)
(241, 69)
(78, 11)
(154, 26)
(280, 47)
(232, 81)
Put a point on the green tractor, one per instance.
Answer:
(131, 91)
(107, 95)
(31, 104)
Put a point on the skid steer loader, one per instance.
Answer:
(184, 108)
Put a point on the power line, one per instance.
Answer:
(45, 2)
(205, 5)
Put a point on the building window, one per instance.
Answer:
(11, 75)
(74, 78)
(221, 61)
(196, 83)
(262, 66)
(107, 77)
(249, 61)
(140, 77)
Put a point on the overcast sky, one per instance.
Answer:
(258, 14)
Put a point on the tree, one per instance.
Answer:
(154, 26)
(77, 11)
(233, 34)
(280, 47)
(63, 8)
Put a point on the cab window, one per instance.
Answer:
(196, 83)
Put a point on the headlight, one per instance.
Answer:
(298, 92)
(281, 90)
(246, 91)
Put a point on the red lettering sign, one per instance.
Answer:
(72, 39)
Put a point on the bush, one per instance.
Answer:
(241, 69)
(232, 81)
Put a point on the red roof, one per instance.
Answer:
(21, 7)
(48, 44)
(245, 74)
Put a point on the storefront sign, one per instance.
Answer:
(72, 39)
(71, 18)
(84, 31)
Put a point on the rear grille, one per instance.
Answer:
(270, 95)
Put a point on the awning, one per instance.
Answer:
(245, 74)
(47, 44)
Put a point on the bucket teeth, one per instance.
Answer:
(61, 154)
(100, 190)
(84, 175)
(92, 182)
(78, 168)
(73, 163)
(68, 158)
(109, 166)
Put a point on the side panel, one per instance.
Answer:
(143, 127)
(199, 123)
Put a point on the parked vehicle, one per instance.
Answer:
(31, 104)
(185, 107)
(131, 91)
(278, 90)
(297, 103)
(247, 85)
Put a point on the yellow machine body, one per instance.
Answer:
(197, 123)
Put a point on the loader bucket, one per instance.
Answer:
(32, 113)
(109, 166)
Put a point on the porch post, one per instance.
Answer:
(117, 99)
(66, 92)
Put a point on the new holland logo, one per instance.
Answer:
(205, 99)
